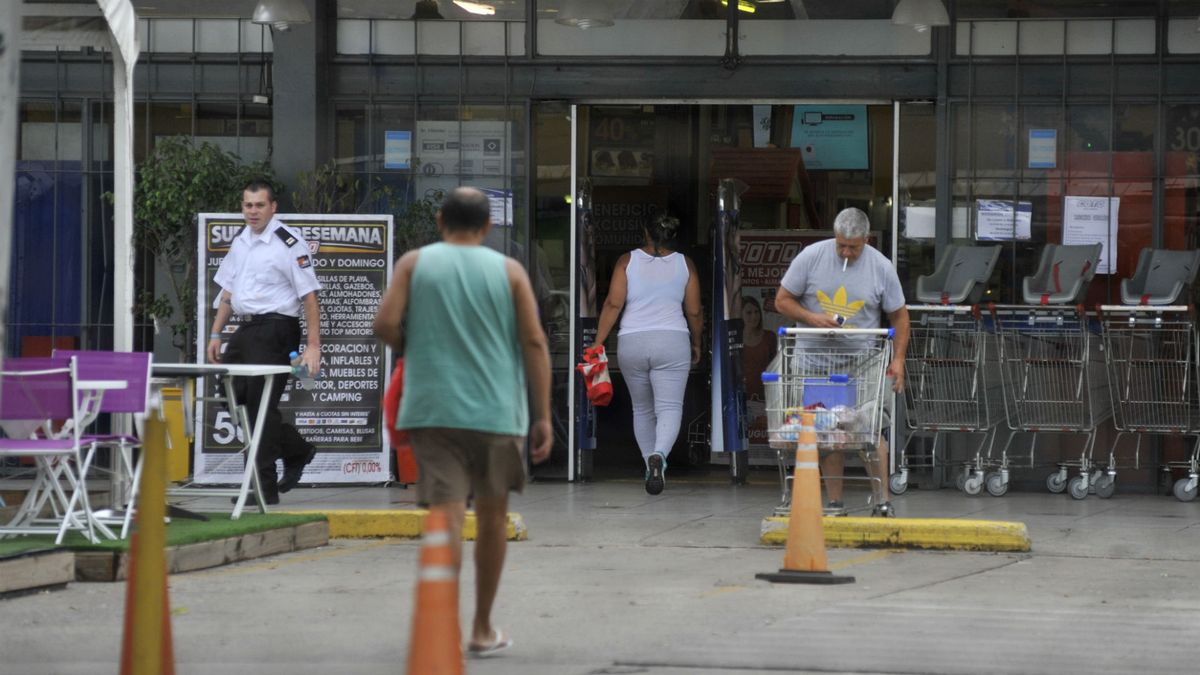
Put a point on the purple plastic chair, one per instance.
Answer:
(34, 393)
(134, 369)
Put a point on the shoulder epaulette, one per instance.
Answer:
(286, 237)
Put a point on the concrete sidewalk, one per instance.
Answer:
(612, 580)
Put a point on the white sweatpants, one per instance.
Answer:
(655, 366)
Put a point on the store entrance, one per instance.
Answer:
(604, 171)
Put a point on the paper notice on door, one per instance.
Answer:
(1088, 220)
(996, 221)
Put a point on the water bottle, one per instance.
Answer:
(305, 380)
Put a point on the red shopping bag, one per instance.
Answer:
(595, 375)
(406, 464)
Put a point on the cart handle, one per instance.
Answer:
(1144, 309)
(837, 378)
(943, 308)
(889, 333)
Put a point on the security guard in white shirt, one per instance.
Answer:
(267, 278)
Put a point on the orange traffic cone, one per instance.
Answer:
(436, 644)
(166, 646)
(804, 560)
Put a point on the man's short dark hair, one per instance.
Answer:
(465, 209)
(259, 184)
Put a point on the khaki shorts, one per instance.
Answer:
(456, 463)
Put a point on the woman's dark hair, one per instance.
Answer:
(662, 231)
(751, 300)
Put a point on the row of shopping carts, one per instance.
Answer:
(1050, 366)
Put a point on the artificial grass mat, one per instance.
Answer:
(180, 531)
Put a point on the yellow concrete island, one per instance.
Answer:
(370, 523)
(924, 533)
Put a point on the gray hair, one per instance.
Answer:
(851, 223)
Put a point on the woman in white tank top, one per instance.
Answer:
(659, 337)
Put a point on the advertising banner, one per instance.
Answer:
(587, 313)
(341, 415)
(728, 420)
(765, 256)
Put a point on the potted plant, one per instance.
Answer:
(179, 180)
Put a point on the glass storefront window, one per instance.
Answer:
(47, 248)
(406, 162)
(1181, 202)
(1053, 9)
(243, 130)
(917, 187)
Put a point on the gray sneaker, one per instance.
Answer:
(655, 467)
(884, 510)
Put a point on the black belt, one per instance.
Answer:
(269, 316)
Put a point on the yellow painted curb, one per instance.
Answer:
(365, 524)
(927, 533)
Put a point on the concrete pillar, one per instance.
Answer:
(299, 131)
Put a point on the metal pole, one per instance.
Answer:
(10, 62)
(573, 285)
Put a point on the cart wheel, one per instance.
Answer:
(1056, 483)
(898, 484)
(972, 486)
(995, 484)
(961, 481)
(1077, 489)
(1182, 493)
(1105, 486)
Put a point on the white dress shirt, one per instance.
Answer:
(264, 274)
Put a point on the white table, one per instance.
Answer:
(251, 432)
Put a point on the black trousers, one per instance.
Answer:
(267, 340)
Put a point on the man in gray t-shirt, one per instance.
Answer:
(843, 282)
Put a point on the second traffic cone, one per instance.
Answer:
(436, 644)
(804, 560)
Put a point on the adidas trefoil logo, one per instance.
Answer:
(838, 305)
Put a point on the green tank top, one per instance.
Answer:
(463, 365)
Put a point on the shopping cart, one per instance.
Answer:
(1053, 382)
(950, 385)
(1151, 353)
(839, 374)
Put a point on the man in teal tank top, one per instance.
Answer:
(476, 382)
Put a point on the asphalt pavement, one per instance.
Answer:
(612, 580)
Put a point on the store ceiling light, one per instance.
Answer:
(921, 14)
(281, 14)
(584, 14)
(742, 5)
(476, 8)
